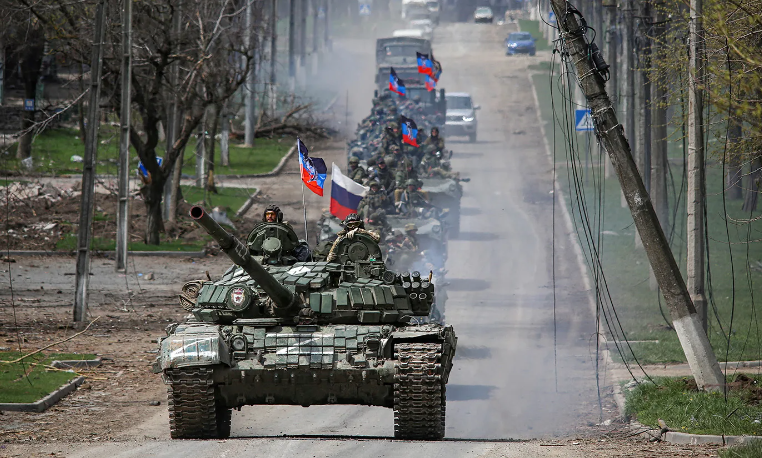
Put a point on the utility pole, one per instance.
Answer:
(248, 88)
(303, 12)
(172, 192)
(327, 25)
(292, 45)
(695, 343)
(610, 37)
(201, 153)
(644, 95)
(659, 126)
(123, 211)
(273, 55)
(315, 35)
(88, 172)
(2, 72)
(628, 46)
(696, 177)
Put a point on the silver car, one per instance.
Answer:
(461, 115)
(484, 14)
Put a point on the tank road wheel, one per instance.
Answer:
(419, 392)
(194, 412)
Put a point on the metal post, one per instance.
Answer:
(248, 88)
(123, 211)
(201, 153)
(82, 278)
(696, 177)
(292, 44)
(695, 343)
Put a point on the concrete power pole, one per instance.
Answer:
(292, 45)
(88, 174)
(123, 211)
(248, 88)
(693, 339)
(628, 75)
(273, 56)
(303, 13)
(327, 25)
(696, 182)
(315, 39)
(172, 196)
(611, 39)
(659, 126)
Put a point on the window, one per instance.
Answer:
(458, 102)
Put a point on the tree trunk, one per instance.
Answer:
(24, 148)
(210, 147)
(152, 194)
(733, 169)
(752, 189)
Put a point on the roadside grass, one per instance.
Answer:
(262, 158)
(750, 450)
(69, 243)
(533, 27)
(626, 266)
(233, 198)
(685, 409)
(39, 382)
(52, 151)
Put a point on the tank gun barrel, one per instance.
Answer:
(281, 296)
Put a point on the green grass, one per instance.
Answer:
(626, 266)
(533, 27)
(69, 243)
(751, 450)
(262, 158)
(14, 387)
(687, 410)
(232, 198)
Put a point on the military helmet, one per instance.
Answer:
(411, 182)
(374, 182)
(390, 162)
(354, 160)
(410, 227)
(446, 165)
(274, 209)
(393, 148)
(380, 161)
(353, 220)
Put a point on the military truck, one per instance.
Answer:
(311, 333)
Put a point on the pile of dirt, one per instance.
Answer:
(39, 216)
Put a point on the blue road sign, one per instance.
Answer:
(552, 17)
(28, 104)
(321, 12)
(583, 121)
(364, 9)
(142, 169)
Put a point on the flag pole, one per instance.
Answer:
(304, 199)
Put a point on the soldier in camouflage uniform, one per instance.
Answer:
(384, 175)
(352, 225)
(432, 165)
(405, 172)
(374, 200)
(392, 136)
(412, 198)
(435, 140)
(356, 172)
(377, 223)
(410, 242)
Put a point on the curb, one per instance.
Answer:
(273, 172)
(248, 204)
(76, 363)
(46, 402)
(171, 254)
(674, 437)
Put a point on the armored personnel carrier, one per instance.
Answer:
(309, 333)
(445, 193)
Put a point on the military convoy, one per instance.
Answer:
(305, 333)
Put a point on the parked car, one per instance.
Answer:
(520, 43)
(484, 14)
(460, 118)
(424, 25)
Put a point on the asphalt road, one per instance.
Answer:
(510, 380)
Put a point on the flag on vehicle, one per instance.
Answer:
(313, 169)
(395, 84)
(409, 131)
(424, 63)
(431, 83)
(346, 194)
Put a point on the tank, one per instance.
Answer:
(309, 333)
(445, 193)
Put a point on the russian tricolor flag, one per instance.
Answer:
(409, 131)
(312, 169)
(346, 194)
(424, 64)
(395, 84)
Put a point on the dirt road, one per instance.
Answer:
(523, 370)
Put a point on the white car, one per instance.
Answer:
(408, 33)
(484, 14)
(425, 25)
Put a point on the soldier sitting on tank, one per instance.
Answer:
(374, 200)
(412, 198)
(356, 173)
(410, 241)
(405, 172)
(432, 165)
(435, 140)
(384, 175)
(353, 225)
(377, 223)
(275, 240)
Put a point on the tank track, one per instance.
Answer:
(194, 412)
(419, 392)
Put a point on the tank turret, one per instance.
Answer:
(282, 297)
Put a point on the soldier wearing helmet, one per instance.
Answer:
(410, 241)
(392, 136)
(384, 175)
(435, 140)
(411, 198)
(353, 225)
(272, 214)
(356, 173)
(373, 201)
(405, 172)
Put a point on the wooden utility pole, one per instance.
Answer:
(248, 88)
(292, 44)
(84, 235)
(123, 210)
(693, 339)
(696, 177)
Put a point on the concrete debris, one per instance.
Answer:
(26, 192)
(77, 158)
(27, 163)
(150, 276)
